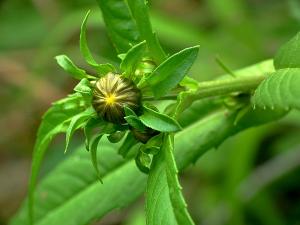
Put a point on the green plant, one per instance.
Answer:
(144, 135)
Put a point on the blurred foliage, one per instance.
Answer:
(221, 187)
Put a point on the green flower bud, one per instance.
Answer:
(111, 94)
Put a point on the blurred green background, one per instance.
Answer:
(253, 178)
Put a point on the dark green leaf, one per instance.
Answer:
(116, 137)
(93, 149)
(135, 122)
(121, 27)
(132, 58)
(71, 68)
(159, 121)
(288, 55)
(139, 11)
(168, 74)
(143, 161)
(127, 144)
(280, 90)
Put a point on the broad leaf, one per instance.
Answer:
(85, 51)
(288, 55)
(132, 58)
(74, 182)
(55, 121)
(164, 191)
(66, 63)
(168, 74)
(279, 91)
(139, 11)
(159, 121)
(121, 27)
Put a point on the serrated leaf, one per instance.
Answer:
(288, 56)
(85, 51)
(168, 74)
(54, 121)
(77, 122)
(121, 27)
(139, 11)
(66, 63)
(164, 190)
(159, 121)
(279, 91)
(74, 183)
(132, 57)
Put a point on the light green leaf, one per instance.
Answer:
(168, 74)
(77, 122)
(164, 191)
(55, 121)
(279, 91)
(121, 27)
(66, 63)
(139, 11)
(84, 87)
(132, 58)
(85, 51)
(159, 121)
(288, 55)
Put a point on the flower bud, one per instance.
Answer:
(111, 94)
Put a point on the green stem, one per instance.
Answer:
(219, 87)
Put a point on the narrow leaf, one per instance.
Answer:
(93, 150)
(54, 121)
(163, 184)
(83, 87)
(85, 51)
(77, 122)
(139, 11)
(159, 121)
(279, 91)
(66, 63)
(132, 58)
(168, 74)
(127, 144)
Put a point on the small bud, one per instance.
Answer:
(111, 94)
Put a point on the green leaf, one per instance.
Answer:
(85, 51)
(159, 121)
(93, 149)
(132, 58)
(135, 122)
(127, 144)
(55, 121)
(89, 128)
(288, 55)
(77, 122)
(143, 161)
(139, 11)
(164, 191)
(121, 27)
(84, 87)
(116, 137)
(279, 91)
(66, 63)
(73, 182)
(168, 74)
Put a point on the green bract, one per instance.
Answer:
(158, 118)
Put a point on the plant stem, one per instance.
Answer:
(219, 87)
